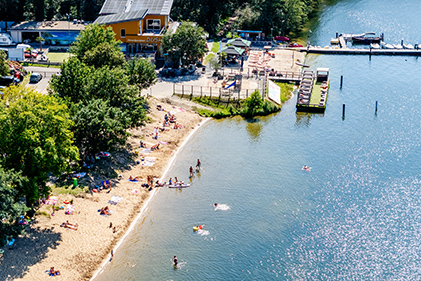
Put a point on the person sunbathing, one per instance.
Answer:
(142, 144)
(54, 272)
(69, 225)
(105, 211)
(106, 184)
(134, 178)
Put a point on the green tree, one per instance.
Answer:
(99, 126)
(253, 104)
(188, 42)
(40, 40)
(4, 66)
(141, 72)
(71, 84)
(90, 38)
(36, 139)
(113, 86)
(215, 64)
(105, 54)
(10, 207)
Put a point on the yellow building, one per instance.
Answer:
(139, 24)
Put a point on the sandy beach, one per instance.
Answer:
(77, 254)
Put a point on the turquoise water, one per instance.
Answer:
(356, 215)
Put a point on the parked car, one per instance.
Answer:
(29, 55)
(8, 80)
(35, 78)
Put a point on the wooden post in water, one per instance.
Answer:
(343, 111)
(376, 107)
(342, 80)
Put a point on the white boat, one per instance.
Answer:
(408, 46)
(6, 39)
(397, 46)
(334, 41)
(375, 46)
(386, 46)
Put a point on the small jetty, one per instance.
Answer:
(313, 91)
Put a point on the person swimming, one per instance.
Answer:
(175, 261)
(215, 205)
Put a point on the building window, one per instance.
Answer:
(153, 25)
(122, 33)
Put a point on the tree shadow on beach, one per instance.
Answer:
(27, 251)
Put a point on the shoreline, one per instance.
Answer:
(145, 204)
(83, 254)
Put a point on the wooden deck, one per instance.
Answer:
(286, 76)
(375, 52)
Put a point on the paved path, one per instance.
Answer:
(46, 73)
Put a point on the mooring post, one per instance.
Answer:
(376, 106)
(343, 111)
(342, 80)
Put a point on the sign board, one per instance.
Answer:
(145, 39)
(274, 92)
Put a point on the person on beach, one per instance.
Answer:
(198, 165)
(175, 261)
(106, 184)
(175, 180)
(191, 171)
(170, 181)
(54, 272)
(134, 178)
(112, 255)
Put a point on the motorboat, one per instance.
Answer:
(397, 46)
(386, 46)
(408, 46)
(348, 37)
(334, 41)
(6, 39)
(367, 38)
(374, 46)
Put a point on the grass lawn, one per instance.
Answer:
(58, 57)
(208, 58)
(215, 47)
(286, 90)
(316, 94)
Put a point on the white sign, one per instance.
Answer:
(274, 92)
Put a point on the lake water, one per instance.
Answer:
(355, 215)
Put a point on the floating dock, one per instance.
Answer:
(349, 51)
(313, 91)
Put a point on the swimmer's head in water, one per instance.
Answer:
(215, 204)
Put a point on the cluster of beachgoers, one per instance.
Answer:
(99, 220)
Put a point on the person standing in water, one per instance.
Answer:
(198, 165)
(175, 261)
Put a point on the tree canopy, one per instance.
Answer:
(36, 138)
(10, 207)
(4, 66)
(96, 37)
(188, 43)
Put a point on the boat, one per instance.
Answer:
(367, 38)
(408, 46)
(6, 39)
(397, 46)
(348, 37)
(334, 41)
(183, 185)
(301, 64)
(386, 46)
(374, 46)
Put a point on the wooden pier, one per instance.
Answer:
(374, 52)
(286, 76)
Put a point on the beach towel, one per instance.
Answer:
(162, 142)
(69, 210)
(135, 191)
(104, 215)
(145, 151)
(148, 161)
(132, 180)
(79, 175)
(115, 199)
(182, 110)
(52, 200)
